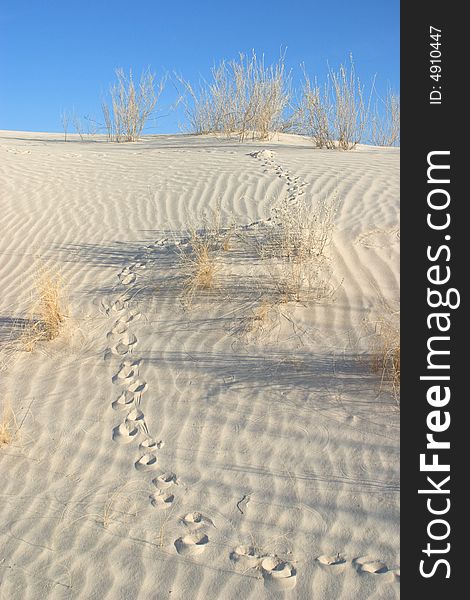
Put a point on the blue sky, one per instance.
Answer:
(61, 54)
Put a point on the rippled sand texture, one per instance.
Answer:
(166, 452)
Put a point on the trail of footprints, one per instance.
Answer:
(133, 427)
(295, 185)
(278, 574)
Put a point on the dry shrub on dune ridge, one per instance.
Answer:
(130, 105)
(336, 114)
(385, 120)
(244, 97)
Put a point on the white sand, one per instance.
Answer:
(283, 441)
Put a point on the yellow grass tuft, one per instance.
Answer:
(49, 310)
(8, 425)
(207, 239)
(386, 352)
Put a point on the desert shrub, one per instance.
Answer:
(48, 312)
(386, 350)
(385, 120)
(335, 114)
(293, 248)
(8, 425)
(244, 96)
(206, 238)
(130, 105)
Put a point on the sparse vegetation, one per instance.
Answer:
(250, 99)
(130, 105)
(293, 247)
(8, 425)
(244, 97)
(48, 313)
(201, 250)
(65, 119)
(385, 120)
(386, 349)
(336, 114)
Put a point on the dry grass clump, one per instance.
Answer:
(293, 248)
(200, 252)
(48, 313)
(386, 351)
(130, 105)
(261, 320)
(244, 97)
(8, 425)
(385, 120)
(336, 113)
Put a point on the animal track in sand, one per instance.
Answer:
(124, 400)
(191, 544)
(127, 373)
(150, 445)
(263, 154)
(247, 556)
(122, 342)
(119, 306)
(196, 520)
(126, 432)
(162, 500)
(119, 349)
(135, 415)
(120, 327)
(147, 462)
(165, 480)
(278, 575)
(133, 315)
(138, 387)
(127, 276)
(329, 560)
(295, 185)
(366, 564)
(124, 345)
(137, 265)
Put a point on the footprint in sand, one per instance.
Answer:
(278, 575)
(138, 387)
(119, 328)
(135, 415)
(133, 315)
(137, 265)
(191, 544)
(127, 373)
(367, 564)
(162, 500)
(196, 520)
(150, 445)
(124, 401)
(147, 462)
(165, 480)
(127, 278)
(119, 305)
(125, 345)
(126, 432)
(331, 559)
(266, 154)
(247, 556)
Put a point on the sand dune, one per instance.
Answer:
(173, 452)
